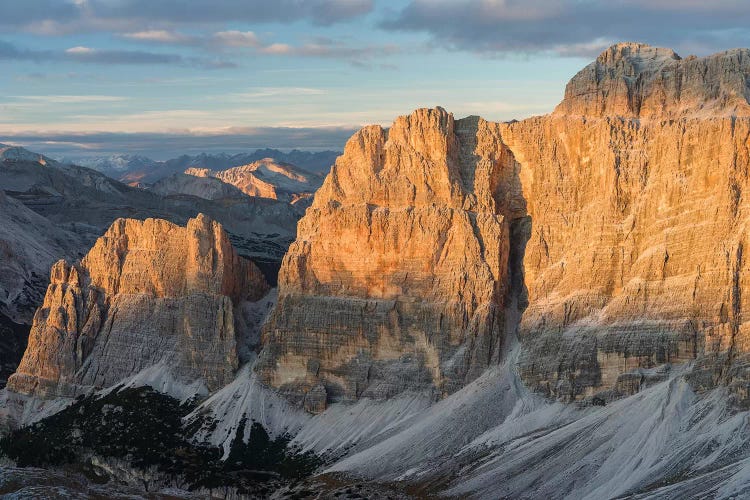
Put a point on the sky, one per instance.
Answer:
(167, 77)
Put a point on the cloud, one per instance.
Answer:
(218, 40)
(322, 12)
(80, 51)
(326, 48)
(236, 39)
(166, 145)
(83, 54)
(574, 27)
(59, 17)
(320, 47)
(13, 13)
(89, 55)
(69, 99)
(159, 36)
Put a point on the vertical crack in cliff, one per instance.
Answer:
(736, 311)
(518, 296)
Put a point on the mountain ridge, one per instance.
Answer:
(542, 307)
(134, 169)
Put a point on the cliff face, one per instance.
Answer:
(636, 190)
(399, 275)
(631, 196)
(148, 292)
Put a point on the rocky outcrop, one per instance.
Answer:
(399, 276)
(148, 293)
(636, 190)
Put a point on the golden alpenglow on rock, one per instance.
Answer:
(637, 189)
(399, 276)
(148, 292)
(631, 198)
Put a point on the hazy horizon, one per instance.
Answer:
(160, 79)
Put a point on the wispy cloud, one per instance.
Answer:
(235, 40)
(159, 36)
(265, 92)
(332, 49)
(69, 99)
(58, 17)
(91, 55)
(573, 27)
(83, 54)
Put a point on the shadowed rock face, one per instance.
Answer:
(148, 292)
(399, 275)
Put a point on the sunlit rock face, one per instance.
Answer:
(637, 191)
(399, 275)
(148, 292)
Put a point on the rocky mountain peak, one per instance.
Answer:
(636, 80)
(398, 278)
(165, 291)
(426, 158)
(636, 55)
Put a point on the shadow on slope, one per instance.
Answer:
(141, 431)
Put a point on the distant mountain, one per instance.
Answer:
(115, 166)
(16, 153)
(74, 205)
(135, 169)
(264, 178)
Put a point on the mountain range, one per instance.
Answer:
(133, 169)
(548, 308)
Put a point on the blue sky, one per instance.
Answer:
(162, 77)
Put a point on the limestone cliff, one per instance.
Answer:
(636, 188)
(148, 292)
(399, 275)
(632, 196)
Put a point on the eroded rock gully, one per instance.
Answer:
(631, 195)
